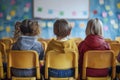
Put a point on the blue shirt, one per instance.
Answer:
(29, 43)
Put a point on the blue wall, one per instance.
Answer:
(16, 10)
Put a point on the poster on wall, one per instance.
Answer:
(69, 9)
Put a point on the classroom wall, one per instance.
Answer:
(108, 11)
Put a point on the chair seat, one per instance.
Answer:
(98, 78)
(70, 78)
(23, 78)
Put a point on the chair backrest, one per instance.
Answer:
(77, 40)
(116, 48)
(44, 44)
(8, 42)
(9, 39)
(117, 39)
(107, 39)
(1, 67)
(99, 59)
(58, 60)
(25, 59)
(112, 41)
(46, 40)
(3, 52)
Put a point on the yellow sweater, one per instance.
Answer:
(62, 46)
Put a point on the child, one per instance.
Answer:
(28, 41)
(60, 44)
(93, 41)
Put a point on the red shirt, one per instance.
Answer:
(92, 42)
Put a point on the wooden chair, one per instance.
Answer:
(8, 43)
(117, 39)
(61, 61)
(3, 52)
(116, 48)
(26, 59)
(44, 44)
(108, 39)
(112, 41)
(1, 67)
(77, 40)
(99, 59)
(11, 40)
(46, 40)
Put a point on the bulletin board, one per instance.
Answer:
(69, 9)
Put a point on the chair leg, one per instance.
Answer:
(117, 76)
(42, 77)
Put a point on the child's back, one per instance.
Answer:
(62, 30)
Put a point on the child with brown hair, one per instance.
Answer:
(61, 44)
(62, 30)
(28, 41)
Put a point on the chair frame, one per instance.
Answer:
(3, 51)
(44, 44)
(116, 48)
(118, 39)
(98, 54)
(1, 67)
(23, 54)
(47, 65)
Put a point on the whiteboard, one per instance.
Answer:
(69, 9)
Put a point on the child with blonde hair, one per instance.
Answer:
(93, 41)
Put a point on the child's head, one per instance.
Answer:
(61, 28)
(29, 27)
(94, 26)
